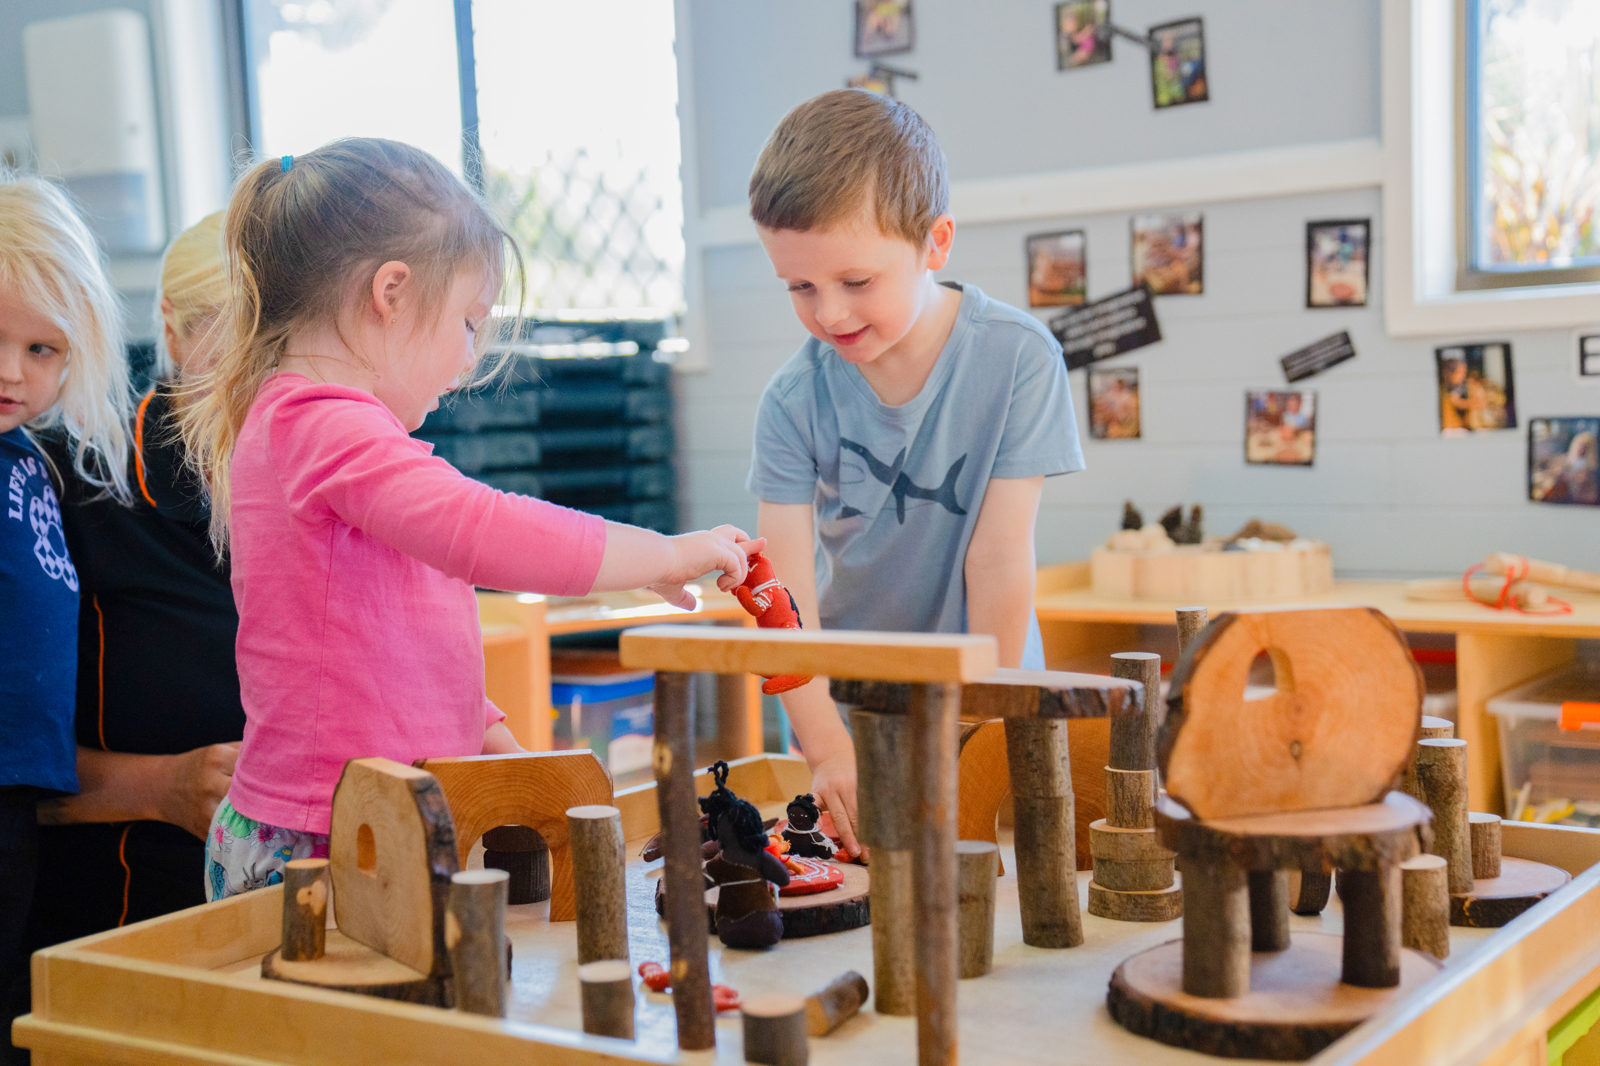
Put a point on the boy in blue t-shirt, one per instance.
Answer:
(901, 453)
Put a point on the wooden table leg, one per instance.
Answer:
(883, 766)
(1269, 910)
(1372, 905)
(1047, 856)
(1216, 929)
(739, 727)
(935, 710)
(684, 875)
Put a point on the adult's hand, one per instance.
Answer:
(118, 787)
(200, 780)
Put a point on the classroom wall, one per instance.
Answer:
(1391, 496)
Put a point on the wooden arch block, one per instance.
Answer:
(392, 849)
(532, 789)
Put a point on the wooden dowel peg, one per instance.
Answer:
(1130, 798)
(305, 909)
(1434, 728)
(836, 1004)
(935, 714)
(1425, 905)
(1191, 620)
(1372, 905)
(608, 997)
(1484, 830)
(598, 868)
(977, 866)
(1269, 910)
(1133, 737)
(1442, 773)
(883, 766)
(1216, 930)
(684, 874)
(475, 934)
(775, 1030)
(522, 853)
(1047, 855)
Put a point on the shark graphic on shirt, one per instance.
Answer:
(901, 486)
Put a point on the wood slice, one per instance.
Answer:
(842, 909)
(1161, 905)
(1296, 1005)
(349, 966)
(1338, 730)
(1151, 875)
(1308, 893)
(1495, 901)
(1125, 845)
(1354, 838)
(1008, 693)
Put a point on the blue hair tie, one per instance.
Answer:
(286, 162)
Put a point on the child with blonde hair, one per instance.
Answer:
(63, 366)
(363, 277)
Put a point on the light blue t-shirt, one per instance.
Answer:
(897, 490)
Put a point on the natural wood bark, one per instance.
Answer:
(1308, 893)
(1125, 845)
(1191, 620)
(1150, 875)
(1442, 771)
(608, 997)
(1130, 798)
(887, 826)
(1159, 905)
(1495, 901)
(305, 909)
(1432, 729)
(1372, 906)
(775, 1030)
(1216, 930)
(683, 877)
(1269, 910)
(522, 853)
(475, 933)
(977, 865)
(350, 966)
(1133, 736)
(894, 968)
(1354, 838)
(598, 867)
(1425, 905)
(1047, 858)
(832, 1006)
(1485, 833)
(1008, 693)
(935, 709)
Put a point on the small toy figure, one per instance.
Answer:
(804, 838)
(745, 871)
(764, 596)
(1193, 531)
(1131, 518)
(1172, 522)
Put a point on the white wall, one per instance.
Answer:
(1391, 496)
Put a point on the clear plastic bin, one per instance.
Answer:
(600, 706)
(1559, 768)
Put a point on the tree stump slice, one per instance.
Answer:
(349, 966)
(1495, 901)
(1308, 893)
(1147, 876)
(1425, 906)
(1295, 1008)
(1130, 798)
(1161, 905)
(775, 1030)
(1125, 845)
(608, 999)
(1337, 732)
(834, 911)
(1352, 838)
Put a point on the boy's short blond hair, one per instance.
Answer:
(847, 150)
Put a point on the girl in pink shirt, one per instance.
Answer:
(362, 276)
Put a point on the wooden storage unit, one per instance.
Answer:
(184, 988)
(1196, 575)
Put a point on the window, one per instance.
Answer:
(1532, 144)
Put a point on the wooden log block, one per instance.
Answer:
(1157, 905)
(1150, 875)
(1191, 620)
(835, 1004)
(1216, 930)
(775, 1030)
(1425, 905)
(1269, 910)
(1442, 772)
(887, 826)
(687, 929)
(1495, 901)
(1125, 845)
(1372, 906)
(305, 909)
(598, 867)
(475, 933)
(522, 853)
(1484, 830)
(350, 966)
(1047, 857)
(1133, 737)
(1308, 892)
(1432, 729)
(977, 865)
(894, 968)
(1130, 798)
(935, 712)
(608, 997)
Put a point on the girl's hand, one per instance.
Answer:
(833, 782)
(726, 548)
(199, 780)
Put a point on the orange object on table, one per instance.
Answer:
(764, 596)
(1578, 715)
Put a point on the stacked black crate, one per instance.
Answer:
(585, 430)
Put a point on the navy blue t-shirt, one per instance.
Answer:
(38, 626)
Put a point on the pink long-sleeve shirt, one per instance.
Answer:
(355, 552)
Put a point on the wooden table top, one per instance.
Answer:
(622, 610)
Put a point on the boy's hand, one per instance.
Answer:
(726, 548)
(833, 782)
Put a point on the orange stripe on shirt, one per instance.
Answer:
(138, 446)
(100, 623)
(127, 873)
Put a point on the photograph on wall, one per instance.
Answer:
(1114, 402)
(1336, 263)
(1057, 276)
(1589, 356)
(1083, 33)
(883, 27)
(1564, 460)
(1280, 428)
(1167, 254)
(1476, 391)
(1178, 62)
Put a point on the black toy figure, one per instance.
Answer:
(804, 838)
(745, 871)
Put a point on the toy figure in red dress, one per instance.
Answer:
(764, 596)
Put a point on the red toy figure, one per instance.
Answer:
(764, 596)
